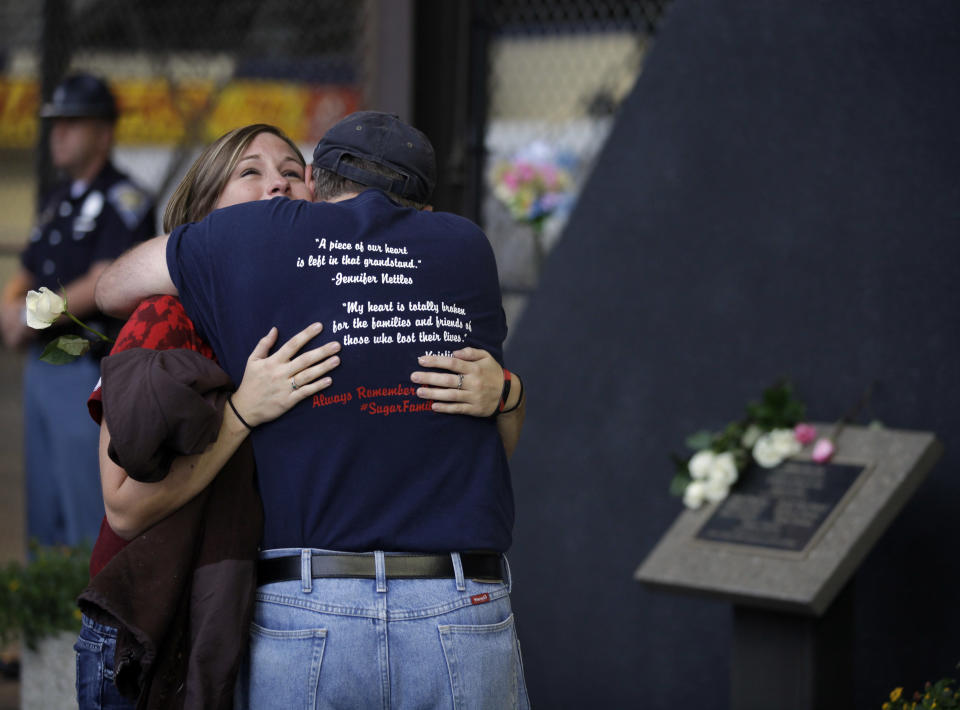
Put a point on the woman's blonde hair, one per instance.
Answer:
(201, 187)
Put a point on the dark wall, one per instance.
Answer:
(780, 196)
(449, 99)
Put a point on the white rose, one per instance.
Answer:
(775, 446)
(43, 308)
(724, 469)
(750, 436)
(785, 441)
(765, 453)
(700, 464)
(715, 489)
(694, 495)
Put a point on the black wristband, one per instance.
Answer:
(242, 420)
(517, 405)
(505, 392)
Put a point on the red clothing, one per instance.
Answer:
(159, 323)
(108, 544)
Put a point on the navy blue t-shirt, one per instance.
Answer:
(364, 465)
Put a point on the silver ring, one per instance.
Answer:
(460, 383)
(293, 383)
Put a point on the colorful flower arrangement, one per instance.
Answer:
(534, 184)
(771, 431)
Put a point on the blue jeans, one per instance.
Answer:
(61, 451)
(384, 643)
(95, 650)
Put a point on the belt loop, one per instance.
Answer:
(381, 567)
(507, 577)
(306, 572)
(458, 571)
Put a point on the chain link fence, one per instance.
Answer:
(558, 70)
(186, 71)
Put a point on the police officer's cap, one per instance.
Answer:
(81, 95)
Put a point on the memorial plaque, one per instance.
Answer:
(782, 508)
(790, 538)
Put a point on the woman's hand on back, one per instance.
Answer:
(273, 384)
(472, 386)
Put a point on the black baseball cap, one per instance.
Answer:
(384, 139)
(81, 95)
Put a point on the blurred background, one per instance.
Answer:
(494, 84)
(688, 199)
(507, 91)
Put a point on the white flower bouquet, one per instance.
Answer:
(771, 432)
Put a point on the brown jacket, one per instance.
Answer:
(182, 592)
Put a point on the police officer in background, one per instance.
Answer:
(85, 222)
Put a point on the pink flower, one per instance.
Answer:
(805, 433)
(525, 172)
(549, 175)
(823, 450)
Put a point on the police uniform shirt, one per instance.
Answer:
(97, 223)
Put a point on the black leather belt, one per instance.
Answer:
(482, 566)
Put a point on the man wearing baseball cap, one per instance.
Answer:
(86, 221)
(382, 580)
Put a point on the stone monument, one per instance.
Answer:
(783, 548)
